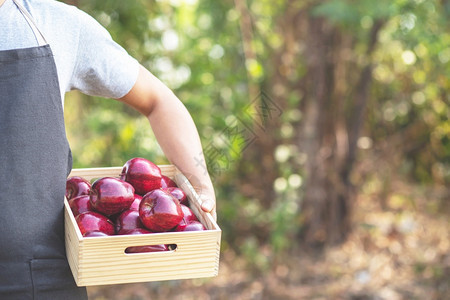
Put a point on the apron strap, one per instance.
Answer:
(37, 33)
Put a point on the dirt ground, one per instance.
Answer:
(399, 252)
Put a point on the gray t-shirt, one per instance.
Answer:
(87, 59)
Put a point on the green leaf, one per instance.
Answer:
(337, 11)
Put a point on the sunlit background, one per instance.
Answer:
(326, 130)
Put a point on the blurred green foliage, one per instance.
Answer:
(196, 48)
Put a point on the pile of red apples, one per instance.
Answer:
(140, 201)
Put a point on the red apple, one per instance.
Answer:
(80, 205)
(160, 211)
(95, 233)
(142, 174)
(94, 221)
(136, 202)
(178, 194)
(127, 221)
(188, 214)
(110, 195)
(167, 182)
(137, 231)
(148, 248)
(192, 226)
(77, 186)
(188, 217)
(134, 206)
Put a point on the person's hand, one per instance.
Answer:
(205, 192)
(209, 204)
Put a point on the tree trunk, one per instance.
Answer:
(329, 132)
(257, 159)
(335, 93)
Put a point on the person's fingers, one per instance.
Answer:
(214, 215)
(209, 206)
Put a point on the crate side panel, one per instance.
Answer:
(71, 242)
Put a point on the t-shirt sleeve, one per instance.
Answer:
(103, 68)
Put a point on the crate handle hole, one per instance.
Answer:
(150, 248)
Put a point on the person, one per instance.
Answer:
(46, 49)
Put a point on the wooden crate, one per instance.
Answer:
(103, 261)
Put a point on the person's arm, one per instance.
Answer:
(175, 132)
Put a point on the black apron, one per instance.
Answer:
(35, 160)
